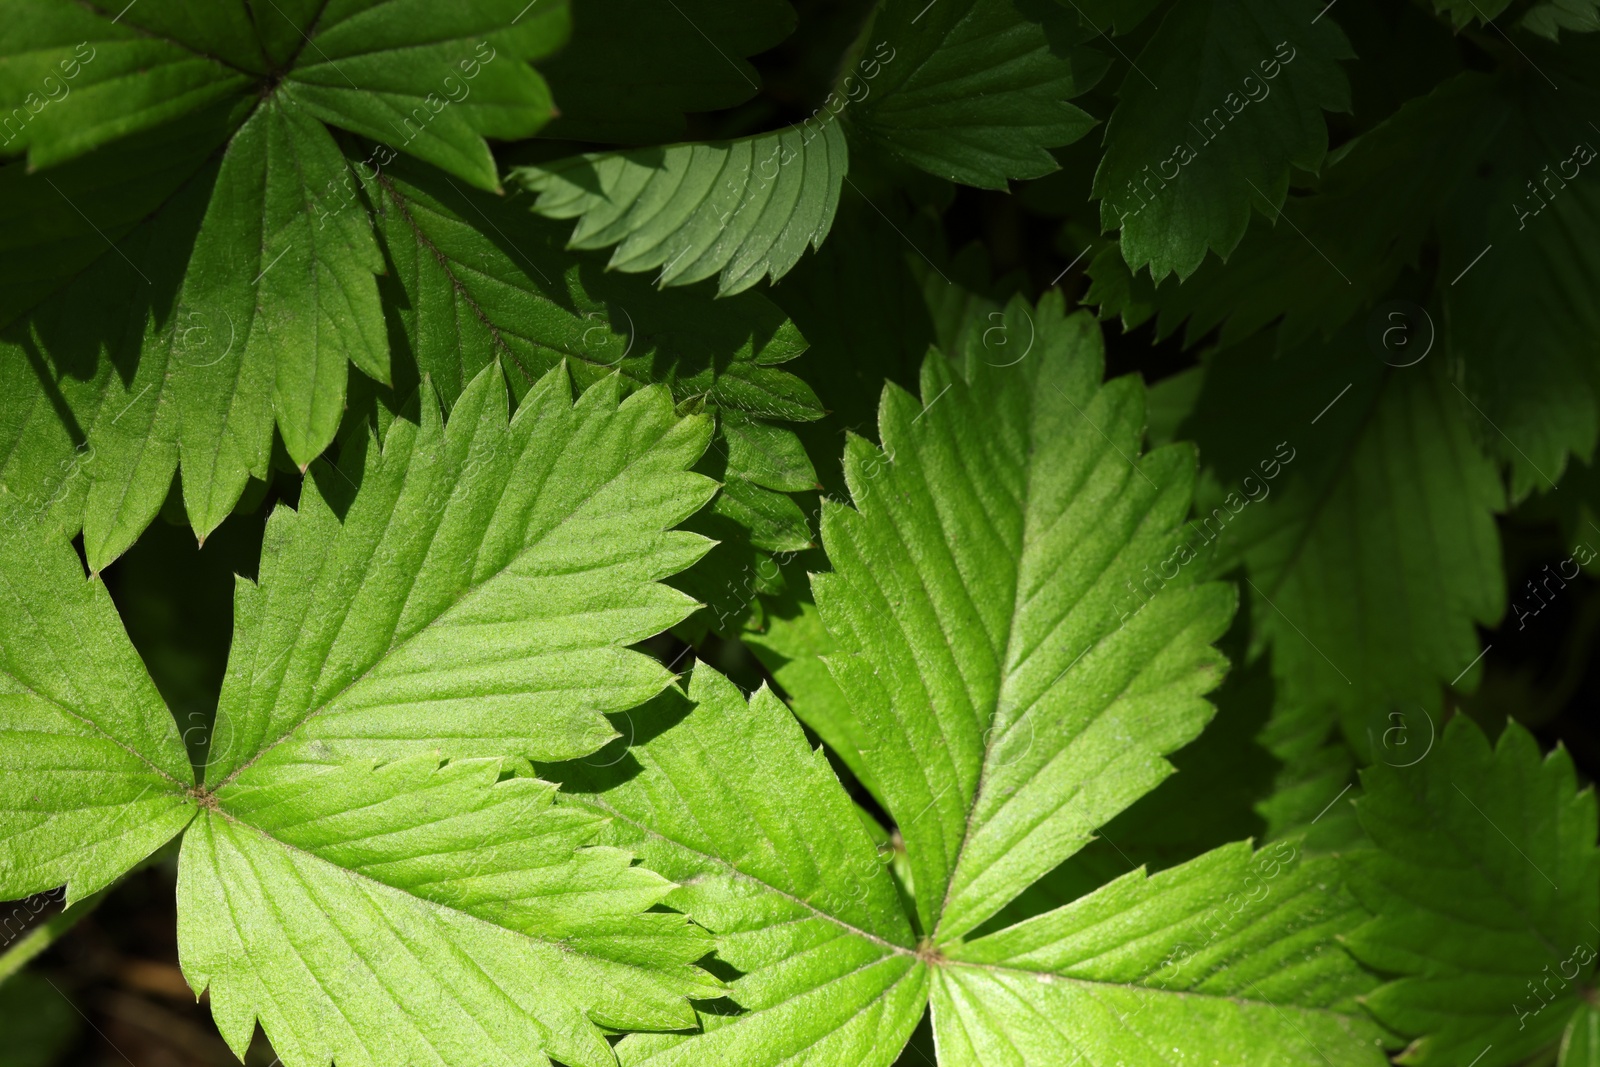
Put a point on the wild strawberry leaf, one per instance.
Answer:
(261, 285)
(741, 210)
(479, 278)
(1012, 701)
(1491, 936)
(1223, 101)
(1363, 513)
(368, 869)
(974, 91)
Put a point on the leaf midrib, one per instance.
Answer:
(612, 813)
(497, 334)
(469, 590)
(1096, 983)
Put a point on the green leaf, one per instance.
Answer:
(1230, 958)
(1223, 101)
(1363, 513)
(73, 78)
(1484, 881)
(632, 69)
(483, 564)
(974, 90)
(1550, 17)
(769, 854)
(433, 80)
(97, 777)
(1120, 16)
(479, 278)
(968, 647)
(178, 318)
(370, 872)
(1462, 12)
(298, 297)
(1533, 202)
(328, 901)
(1336, 252)
(743, 209)
(1580, 1045)
(793, 646)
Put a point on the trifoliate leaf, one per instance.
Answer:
(1484, 881)
(237, 290)
(972, 90)
(742, 210)
(631, 70)
(367, 871)
(769, 854)
(1225, 99)
(1364, 515)
(478, 279)
(1230, 958)
(988, 623)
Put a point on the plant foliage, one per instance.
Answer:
(614, 533)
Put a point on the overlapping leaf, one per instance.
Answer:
(368, 870)
(1483, 880)
(1231, 955)
(972, 651)
(739, 210)
(974, 91)
(769, 853)
(1227, 96)
(178, 319)
(1333, 253)
(478, 278)
(1363, 513)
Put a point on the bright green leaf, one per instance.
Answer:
(988, 624)
(769, 854)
